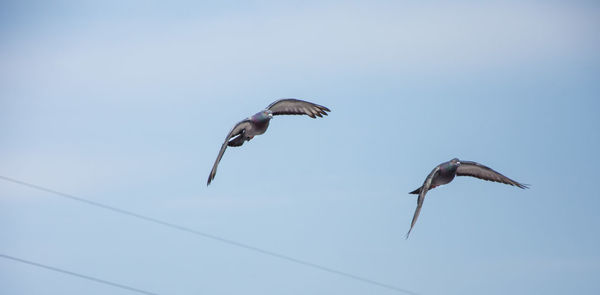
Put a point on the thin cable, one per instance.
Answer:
(97, 280)
(211, 236)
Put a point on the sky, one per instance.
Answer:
(127, 104)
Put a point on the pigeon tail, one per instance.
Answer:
(416, 192)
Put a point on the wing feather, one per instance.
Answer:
(426, 186)
(238, 129)
(292, 106)
(468, 168)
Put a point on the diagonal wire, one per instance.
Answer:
(97, 280)
(211, 236)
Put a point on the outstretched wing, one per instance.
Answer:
(291, 106)
(422, 193)
(238, 129)
(468, 168)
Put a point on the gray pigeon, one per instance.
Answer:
(444, 173)
(259, 122)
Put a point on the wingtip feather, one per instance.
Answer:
(211, 177)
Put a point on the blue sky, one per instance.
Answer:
(128, 103)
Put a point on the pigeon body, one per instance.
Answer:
(258, 124)
(254, 125)
(444, 173)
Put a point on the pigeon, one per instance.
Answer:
(259, 122)
(444, 173)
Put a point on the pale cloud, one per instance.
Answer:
(217, 51)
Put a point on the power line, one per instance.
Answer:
(211, 236)
(97, 280)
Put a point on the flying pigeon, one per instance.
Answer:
(444, 173)
(259, 122)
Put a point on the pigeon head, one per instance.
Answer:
(451, 165)
(455, 162)
(262, 116)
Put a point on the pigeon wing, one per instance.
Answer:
(291, 106)
(238, 129)
(422, 193)
(468, 168)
